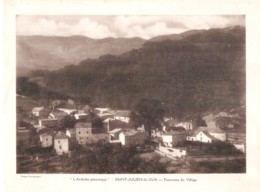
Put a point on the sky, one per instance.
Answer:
(98, 27)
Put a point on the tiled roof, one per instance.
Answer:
(209, 135)
(61, 136)
(209, 129)
(120, 113)
(83, 125)
(59, 113)
(115, 130)
(37, 109)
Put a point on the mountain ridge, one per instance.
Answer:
(195, 74)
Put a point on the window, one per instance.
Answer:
(46, 139)
(59, 147)
(58, 141)
(79, 132)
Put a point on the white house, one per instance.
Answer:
(215, 132)
(114, 135)
(36, 111)
(185, 125)
(61, 143)
(101, 110)
(174, 137)
(122, 115)
(68, 111)
(46, 140)
(132, 137)
(57, 115)
(79, 116)
(240, 146)
(202, 136)
(172, 152)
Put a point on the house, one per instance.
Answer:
(171, 152)
(61, 143)
(215, 132)
(105, 115)
(48, 122)
(83, 132)
(186, 125)
(101, 110)
(80, 116)
(111, 124)
(46, 140)
(132, 137)
(57, 115)
(36, 111)
(114, 135)
(67, 111)
(174, 138)
(202, 136)
(122, 115)
(240, 146)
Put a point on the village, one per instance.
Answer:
(53, 132)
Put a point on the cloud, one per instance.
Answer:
(121, 26)
(43, 26)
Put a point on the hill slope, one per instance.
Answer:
(49, 52)
(202, 71)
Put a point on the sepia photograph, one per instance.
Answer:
(131, 94)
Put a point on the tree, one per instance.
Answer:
(148, 112)
(68, 121)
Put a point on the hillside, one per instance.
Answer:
(50, 52)
(199, 72)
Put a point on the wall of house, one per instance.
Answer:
(48, 122)
(83, 135)
(191, 138)
(203, 138)
(174, 139)
(80, 116)
(129, 140)
(46, 141)
(185, 125)
(240, 147)
(173, 152)
(167, 138)
(61, 146)
(122, 138)
(124, 119)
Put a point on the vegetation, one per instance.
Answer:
(217, 148)
(104, 159)
(226, 166)
(148, 112)
(201, 72)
